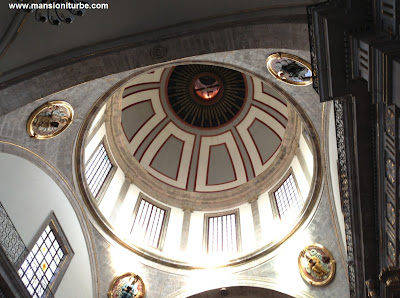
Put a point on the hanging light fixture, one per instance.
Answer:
(59, 11)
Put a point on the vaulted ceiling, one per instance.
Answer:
(202, 154)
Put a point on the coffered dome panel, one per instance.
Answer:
(202, 128)
(201, 135)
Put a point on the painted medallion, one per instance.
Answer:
(127, 285)
(316, 265)
(50, 119)
(290, 69)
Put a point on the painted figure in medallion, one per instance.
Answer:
(128, 285)
(316, 265)
(49, 120)
(289, 69)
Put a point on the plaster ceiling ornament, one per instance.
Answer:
(202, 128)
(59, 11)
(316, 265)
(50, 119)
(127, 285)
(290, 69)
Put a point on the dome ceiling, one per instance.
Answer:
(202, 128)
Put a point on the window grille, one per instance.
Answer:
(148, 223)
(288, 198)
(222, 235)
(98, 169)
(40, 268)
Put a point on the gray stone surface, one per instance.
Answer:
(59, 152)
(59, 76)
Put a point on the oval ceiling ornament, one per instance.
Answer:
(290, 69)
(49, 120)
(316, 265)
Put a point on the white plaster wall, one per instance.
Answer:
(307, 154)
(300, 178)
(111, 196)
(247, 228)
(125, 217)
(174, 232)
(195, 238)
(29, 196)
(267, 219)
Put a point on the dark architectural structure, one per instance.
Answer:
(355, 57)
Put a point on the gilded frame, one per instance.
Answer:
(37, 111)
(332, 264)
(118, 279)
(292, 57)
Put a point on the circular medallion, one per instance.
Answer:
(205, 96)
(50, 119)
(290, 69)
(127, 285)
(316, 265)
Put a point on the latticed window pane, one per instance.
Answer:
(288, 199)
(98, 169)
(222, 236)
(148, 223)
(39, 268)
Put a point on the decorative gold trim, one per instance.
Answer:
(127, 274)
(36, 112)
(332, 263)
(288, 56)
(325, 164)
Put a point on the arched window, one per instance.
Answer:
(98, 169)
(150, 222)
(287, 198)
(222, 233)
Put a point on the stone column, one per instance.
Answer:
(256, 219)
(121, 197)
(187, 213)
(303, 165)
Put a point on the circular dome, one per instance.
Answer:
(161, 163)
(202, 136)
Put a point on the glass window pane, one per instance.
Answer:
(34, 271)
(222, 236)
(288, 200)
(97, 170)
(148, 223)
